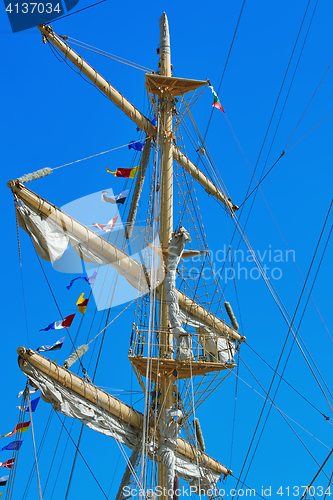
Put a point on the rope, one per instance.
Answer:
(286, 99)
(225, 66)
(21, 270)
(298, 437)
(77, 11)
(34, 444)
(292, 387)
(234, 415)
(327, 491)
(253, 190)
(109, 55)
(97, 154)
(313, 480)
(70, 437)
(321, 81)
(277, 408)
(112, 321)
(280, 357)
(310, 131)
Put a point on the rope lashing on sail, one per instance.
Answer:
(169, 427)
(231, 315)
(35, 175)
(104, 413)
(175, 250)
(198, 433)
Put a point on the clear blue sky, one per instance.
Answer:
(51, 116)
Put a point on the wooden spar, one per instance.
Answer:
(116, 97)
(109, 403)
(113, 254)
(132, 112)
(106, 250)
(138, 188)
(166, 203)
(199, 312)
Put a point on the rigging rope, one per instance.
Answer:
(284, 380)
(321, 81)
(282, 415)
(108, 55)
(225, 67)
(70, 437)
(280, 357)
(285, 101)
(21, 271)
(97, 154)
(77, 11)
(313, 480)
(34, 445)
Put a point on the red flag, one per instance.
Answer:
(9, 464)
(106, 227)
(128, 173)
(18, 428)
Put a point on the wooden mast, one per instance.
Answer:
(166, 223)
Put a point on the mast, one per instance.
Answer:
(166, 222)
(164, 369)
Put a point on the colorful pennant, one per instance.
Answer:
(90, 280)
(18, 428)
(82, 303)
(137, 145)
(216, 103)
(64, 323)
(54, 347)
(128, 173)
(9, 464)
(106, 227)
(32, 390)
(120, 198)
(14, 445)
(34, 404)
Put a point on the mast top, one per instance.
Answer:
(164, 34)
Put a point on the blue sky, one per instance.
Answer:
(53, 117)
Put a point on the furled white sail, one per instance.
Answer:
(169, 428)
(52, 229)
(94, 415)
(51, 235)
(49, 242)
(175, 250)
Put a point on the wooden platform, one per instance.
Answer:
(160, 85)
(185, 369)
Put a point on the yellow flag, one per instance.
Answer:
(82, 304)
(110, 171)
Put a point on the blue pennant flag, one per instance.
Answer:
(3, 480)
(54, 347)
(14, 445)
(34, 404)
(137, 145)
(90, 280)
